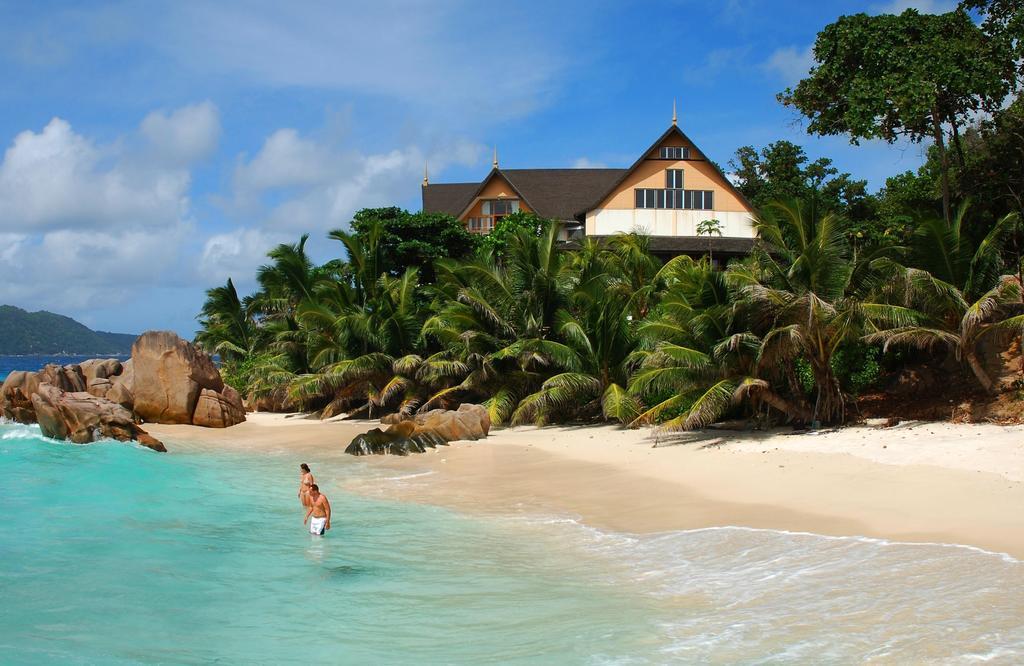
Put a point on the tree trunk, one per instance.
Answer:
(958, 145)
(830, 406)
(795, 411)
(979, 372)
(940, 143)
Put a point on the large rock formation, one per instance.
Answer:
(218, 410)
(122, 385)
(16, 396)
(170, 373)
(82, 418)
(167, 380)
(419, 432)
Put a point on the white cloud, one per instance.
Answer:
(87, 224)
(72, 271)
(236, 254)
(185, 135)
(305, 184)
(790, 62)
(587, 163)
(923, 6)
(57, 178)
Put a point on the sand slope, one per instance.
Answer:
(938, 482)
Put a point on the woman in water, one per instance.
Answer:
(305, 481)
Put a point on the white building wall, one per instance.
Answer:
(662, 222)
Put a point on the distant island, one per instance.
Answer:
(23, 333)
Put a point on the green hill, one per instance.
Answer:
(24, 332)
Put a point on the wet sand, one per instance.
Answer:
(931, 482)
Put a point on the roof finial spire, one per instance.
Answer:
(495, 162)
(673, 112)
(426, 175)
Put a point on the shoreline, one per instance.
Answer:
(953, 484)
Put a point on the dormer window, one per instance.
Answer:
(499, 208)
(675, 153)
(491, 211)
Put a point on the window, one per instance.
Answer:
(675, 153)
(480, 225)
(674, 198)
(492, 211)
(674, 178)
(500, 206)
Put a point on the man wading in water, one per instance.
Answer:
(320, 509)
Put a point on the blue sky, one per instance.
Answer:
(153, 149)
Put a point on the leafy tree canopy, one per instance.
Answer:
(413, 239)
(497, 241)
(911, 75)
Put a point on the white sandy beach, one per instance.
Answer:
(930, 482)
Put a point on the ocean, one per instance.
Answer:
(113, 554)
(9, 364)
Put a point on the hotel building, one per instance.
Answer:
(666, 193)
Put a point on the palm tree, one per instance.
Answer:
(496, 322)
(950, 295)
(947, 319)
(228, 328)
(709, 228)
(286, 281)
(598, 328)
(944, 250)
(698, 359)
(361, 331)
(798, 296)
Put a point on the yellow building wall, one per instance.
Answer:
(698, 174)
(497, 188)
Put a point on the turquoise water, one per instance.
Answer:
(114, 554)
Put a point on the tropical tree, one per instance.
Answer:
(950, 294)
(798, 294)
(498, 321)
(615, 286)
(912, 75)
(709, 228)
(228, 328)
(697, 360)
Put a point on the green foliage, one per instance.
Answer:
(497, 242)
(911, 75)
(43, 332)
(414, 240)
(240, 373)
(886, 76)
(782, 171)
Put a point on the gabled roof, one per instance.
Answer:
(559, 193)
(551, 193)
(449, 198)
(674, 129)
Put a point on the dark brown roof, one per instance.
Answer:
(560, 194)
(451, 198)
(691, 244)
(553, 193)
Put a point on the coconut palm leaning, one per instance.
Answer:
(956, 300)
